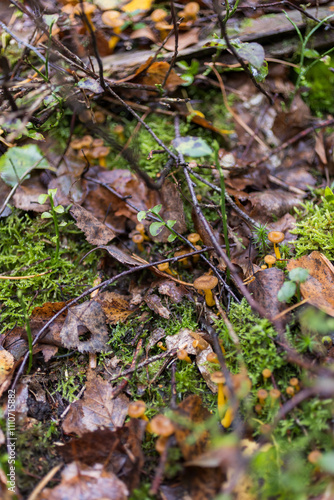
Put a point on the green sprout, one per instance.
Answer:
(292, 287)
(157, 227)
(53, 214)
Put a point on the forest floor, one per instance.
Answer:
(166, 249)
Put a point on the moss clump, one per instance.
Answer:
(315, 228)
(26, 248)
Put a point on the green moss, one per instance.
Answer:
(26, 249)
(315, 228)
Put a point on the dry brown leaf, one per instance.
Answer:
(154, 303)
(144, 33)
(85, 318)
(184, 40)
(115, 307)
(126, 460)
(95, 231)
(6, 364)
(182, 340)
(319, 286)
(96, 409)
(26, 195)
(156, 73)
(174, 291)
(272, 203)
(172, 209)
(320, 148)
(81, 482)
(265, 288)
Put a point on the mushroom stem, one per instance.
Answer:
(209, 298)
(277, 252)
(183, 355)
(228, 418)
(221, 400)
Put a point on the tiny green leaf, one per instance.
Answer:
(170, 223)
(141, 215)
(171, 237)
(62, 224)
(59, 209)
(287, 291)
(155, 210)
(299, 274)
(52, 192)
(329, 196)
(156, 228)
(46, 215)
(42, 198)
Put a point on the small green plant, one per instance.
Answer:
(53, 214)
(292, 287)
(315, 227)
(304, 52)
(190, 71)
(157, 227)
(260, 236)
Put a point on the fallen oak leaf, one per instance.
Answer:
(80, 481)
(95, 231)
(96, 409)
(86, 317)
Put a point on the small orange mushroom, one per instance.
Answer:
(262, 394)
(165, 268)
(137, 409)
(206, 283)
(270, 260)
(183, 355)
(219, 379)
(162, 425)
(138, 239)
(266, 373)
(276, 237)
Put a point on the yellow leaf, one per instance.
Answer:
(137, 5)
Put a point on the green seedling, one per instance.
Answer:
(190, 71)
(292, 287)
(157, 227)
(53, 214)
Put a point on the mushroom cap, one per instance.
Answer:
(99, 117)
(162, 426)
(138, 238)
(87, 7)
(193, 238)
(140, 227)
(269, 259)
(262, 393)
(136, 409)
(182, 354)
(82, 142)
(191, 8)
(97, 142)
(158, 15)
(274, 393)
(314, 456)
(100, 152)
(109, 16)
(160, 444)
(266, 373)
(290, 390)
(212, 357)
(276, 236)
(205, 282)
(294, 381)
(118, 129)
(163, 267)
(217, 377)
